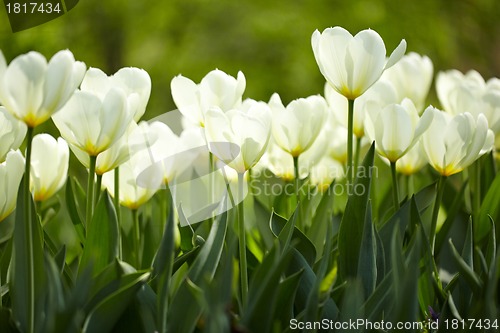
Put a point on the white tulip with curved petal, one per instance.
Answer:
(452, 143)
(247, 131)
(11, 173)
(216, 89)
(93, 124)
(396, 128)
(12, 133)
(296, 126)
(33, 90)
(49, 166)
(135, 83)
(352, 64)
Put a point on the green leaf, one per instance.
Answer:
(297, 239)
(351, 226)
(316, 233)
(73, 206)
(489, 207)
(162, 271)
(466, 271)
(27, 276)
(101, 246)
(104, 316)
(367, 263)
(262, 294)
(285, 299)
(184, 305)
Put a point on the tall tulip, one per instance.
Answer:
(49, 166)
(351, 65)
(11, 173)
(12, 133)
(215, 89)
(32, 89)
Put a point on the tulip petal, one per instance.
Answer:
(397, 54)
(186, 96)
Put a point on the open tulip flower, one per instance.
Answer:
(49, 166)
(135, 83)
(296, 126)
(11, 173)
(460, 93)
(352, 64)
(12, 133)
(215, 89)
(239, 137)
(452, 143)
(396, 128)
(93, 123)
(412, 78)
(32, 89)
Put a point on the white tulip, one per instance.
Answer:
(216, 89)
(93, 124)
(452, 143)
(49, 166)
(33, 90)
(12, 133)
(352, 64)
(11, 173)
(412, 78)
(135, 83)
(239, 137)
(297, 126)
(396, 128)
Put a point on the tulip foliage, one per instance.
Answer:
(362, 209)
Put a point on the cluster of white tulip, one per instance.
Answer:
(367, 97)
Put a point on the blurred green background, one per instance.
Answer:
(268, 40)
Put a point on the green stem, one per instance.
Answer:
(242, 245)
(435, 211)
(98, 186)
(29, 234)
(395, 194)
(409, 185)
(475, 183)
(350, 121)
(136, 237)
(116, 201)
(356, 157)
(296, 178)
(90, 191)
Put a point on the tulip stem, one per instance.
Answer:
(395, 192)
(98, 189)
(90, 190)
(435, 211)
(29, 233)
(136, 237)
(296, 178)
(356, 156)
(350, 120)
(475, 184)
(116, 201)
(242, 247)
